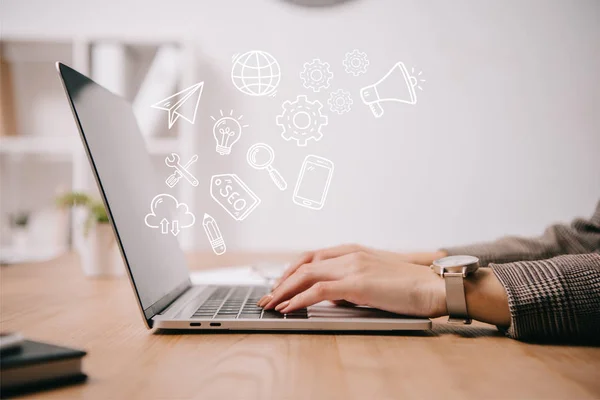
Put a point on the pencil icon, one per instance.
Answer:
(214, 234)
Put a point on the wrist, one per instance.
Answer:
(425, 258)
(437, 294)
(486, 298)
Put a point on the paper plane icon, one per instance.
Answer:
(173, 103)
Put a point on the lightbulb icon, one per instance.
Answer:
(227, 130)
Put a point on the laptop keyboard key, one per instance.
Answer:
(272, 315)
(297, 316)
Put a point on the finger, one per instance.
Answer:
(307, 275)
(304, 258)
(319, 255)
(320, 291)
(303, 278)
(338, 251)
(271, 300)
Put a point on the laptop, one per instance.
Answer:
(155, 263)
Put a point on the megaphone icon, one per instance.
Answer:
(397, 85)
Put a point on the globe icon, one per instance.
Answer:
(256, 73)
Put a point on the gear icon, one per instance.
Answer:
(340, 101)
(356, 62)
(302, 120)
(316, 75)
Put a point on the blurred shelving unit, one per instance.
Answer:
(68, 145)
(141, 71)
(38, 145)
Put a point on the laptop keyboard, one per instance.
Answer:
(239, 302)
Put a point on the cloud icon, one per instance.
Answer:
(166, 211)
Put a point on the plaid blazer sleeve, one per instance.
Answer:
(557, 299)
(552, 282)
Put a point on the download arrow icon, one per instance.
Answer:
(175, 229)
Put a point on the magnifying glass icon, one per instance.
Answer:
(261, 156)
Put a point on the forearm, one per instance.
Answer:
(580, 237)
(513, 248)
(556, 299)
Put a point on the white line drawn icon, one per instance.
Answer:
(169, 215)
(397, 85)
(316, 75)
(173, 103)
(356, 62)
(302, 120)
(340, 101)
(313, 182)
(227, 130)
(181, 171)
(233, 195)
(214, 235)
(256, 73)
(261, 156)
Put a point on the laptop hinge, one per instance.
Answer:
(162, 304)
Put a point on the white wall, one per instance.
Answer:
(504, 139)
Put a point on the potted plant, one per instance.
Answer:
(100, 255)
(19, 231)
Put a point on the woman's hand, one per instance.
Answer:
(361, 276)
(338, 251)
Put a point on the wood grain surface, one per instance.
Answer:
(54, 302)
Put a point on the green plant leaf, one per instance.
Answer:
(95, 208)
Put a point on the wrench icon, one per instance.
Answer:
(180, 170)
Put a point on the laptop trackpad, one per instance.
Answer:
(327, 309)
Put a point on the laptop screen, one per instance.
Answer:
(126, 179)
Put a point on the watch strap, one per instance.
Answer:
(455, 298)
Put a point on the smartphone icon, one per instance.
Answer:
(313, 182)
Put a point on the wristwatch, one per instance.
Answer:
(454, 269)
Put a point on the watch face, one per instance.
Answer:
(455, 261)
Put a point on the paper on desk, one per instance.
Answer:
(257, 274)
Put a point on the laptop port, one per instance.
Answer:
(215, 324)
(195, 324)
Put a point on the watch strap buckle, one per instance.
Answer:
(459, 321)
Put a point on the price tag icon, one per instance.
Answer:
(233, 195)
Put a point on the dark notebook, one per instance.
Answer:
(36, 366)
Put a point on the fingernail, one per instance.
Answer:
(285, 310)
(264, 300)
(282, 305)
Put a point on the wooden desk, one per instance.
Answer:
(53, 302)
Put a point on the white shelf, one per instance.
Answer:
(67, 145)
(38, 145)
(38, 51)
(11, 255)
